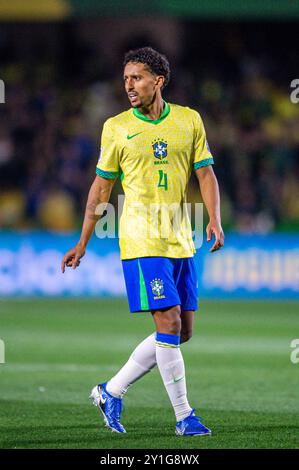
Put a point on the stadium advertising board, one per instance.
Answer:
(248, 267)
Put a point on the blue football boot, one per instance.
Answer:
(110, 407)
(191, 426)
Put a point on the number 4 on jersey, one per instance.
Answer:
(163, 181)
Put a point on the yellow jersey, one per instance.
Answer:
(154, 160)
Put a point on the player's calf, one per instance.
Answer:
(185, 336)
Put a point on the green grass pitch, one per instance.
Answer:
(239, 376)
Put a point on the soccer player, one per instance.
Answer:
(153, 147)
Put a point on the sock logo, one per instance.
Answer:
(178, 379)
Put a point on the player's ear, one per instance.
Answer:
(160, 81)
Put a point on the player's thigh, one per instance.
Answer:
(150, 283)
(185, 277)
(187, 322)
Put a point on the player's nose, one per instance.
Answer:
(129, 85)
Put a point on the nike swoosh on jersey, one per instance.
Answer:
(133, 135)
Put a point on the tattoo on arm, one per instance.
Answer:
(94, 217)
(91, 210)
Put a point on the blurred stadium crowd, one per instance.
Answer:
(53, 114)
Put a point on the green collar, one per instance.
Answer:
(164, 114)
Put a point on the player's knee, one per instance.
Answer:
(185, 336)
(170, 320)
(174, 319)
(173, 324)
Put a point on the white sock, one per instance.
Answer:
(141, 361)
(172, 369)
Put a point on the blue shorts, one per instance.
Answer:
(155, 282)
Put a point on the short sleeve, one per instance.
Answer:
(108, 163)
(202, 153)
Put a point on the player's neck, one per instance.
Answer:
(154, 110)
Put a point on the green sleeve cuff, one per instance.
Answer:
(202, 163)
(111, 175)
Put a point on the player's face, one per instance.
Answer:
(141, 85)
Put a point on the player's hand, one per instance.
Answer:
(214, 227)
(72, 258)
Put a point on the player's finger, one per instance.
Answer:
(220, 241)
(209, 233)
(67, 261)
(222, 238)
(217, 244)
(215, 248)
(63, 263)
(75, 261)
(69, 264)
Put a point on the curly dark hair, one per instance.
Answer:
(156, 63)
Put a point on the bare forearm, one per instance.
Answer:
(99, 193)
(98, 198)
(210, 194)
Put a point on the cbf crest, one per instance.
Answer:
(157, 286)
(160, 148)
